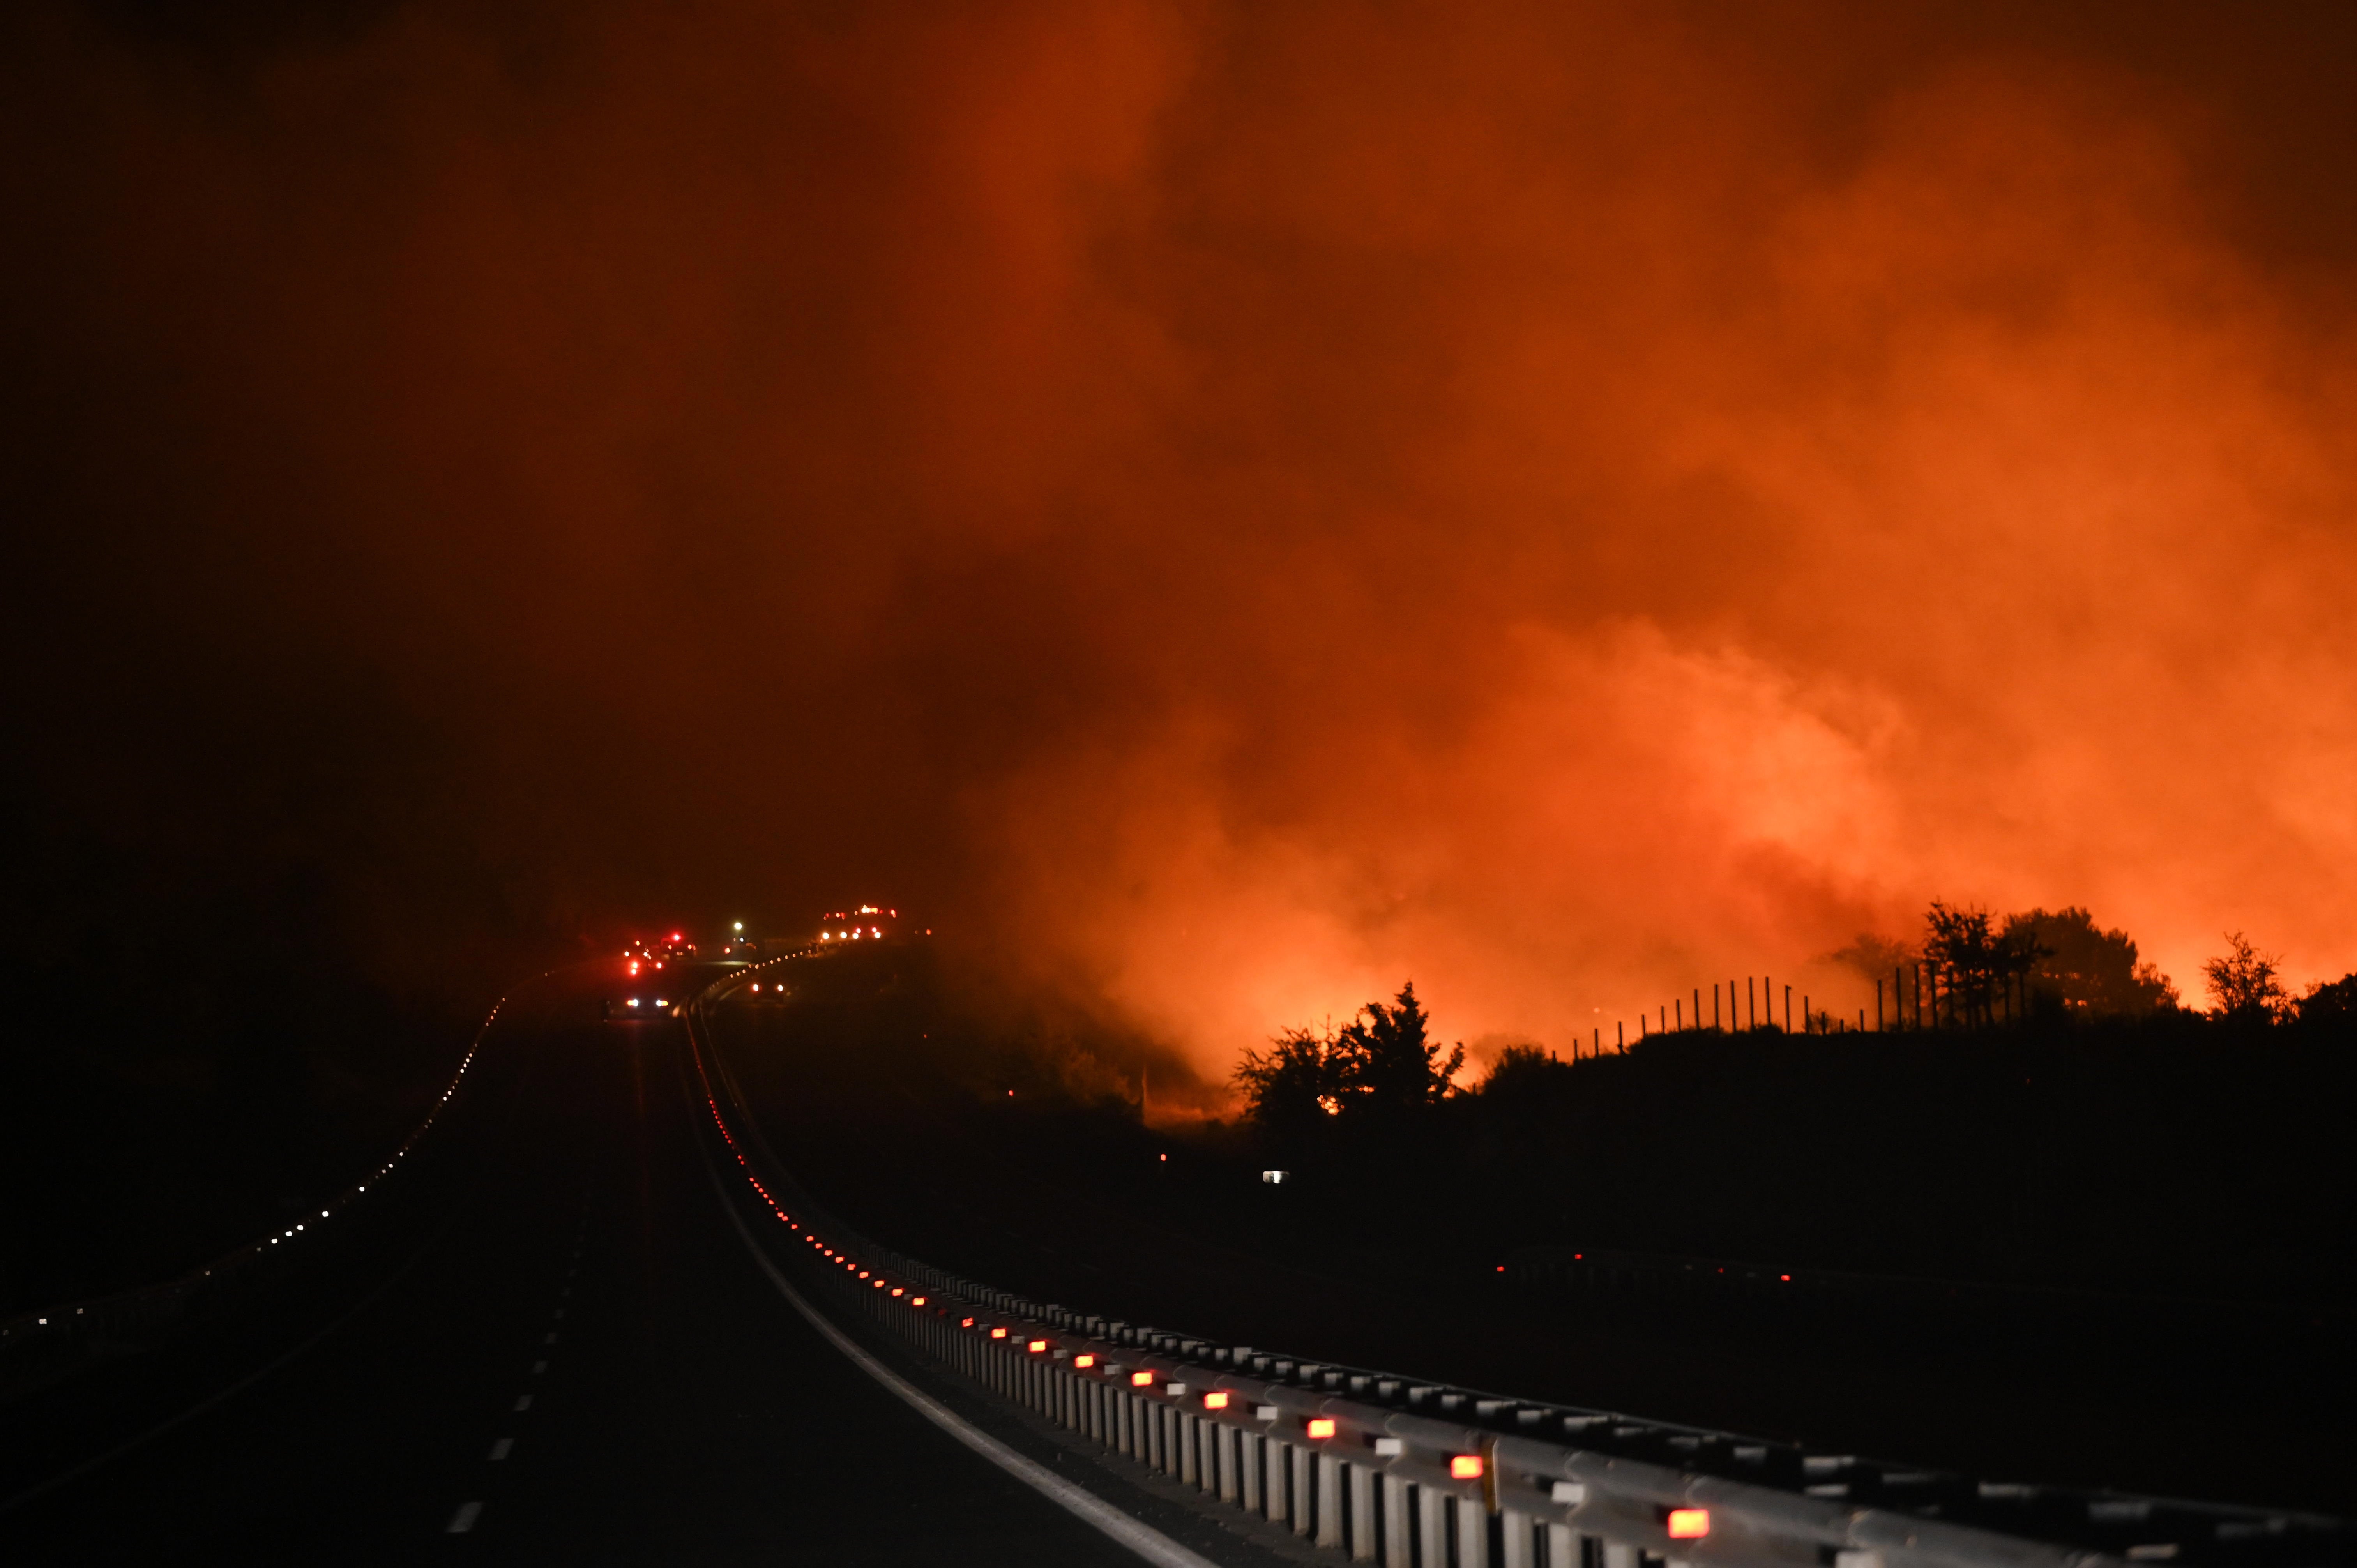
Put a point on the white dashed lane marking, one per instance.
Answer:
(463, 1521)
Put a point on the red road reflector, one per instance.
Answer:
(1215, 1400)
(863, 1273)
(1084, 1360)
(1321, 1427)
(998, 1334)
(1141, 1380)
(916, 1301)
(896, 1290)
(1689, 1524)
(965, 1323)
(1465, 1466)
(1037, 1345)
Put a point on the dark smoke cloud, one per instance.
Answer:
(1235, 506)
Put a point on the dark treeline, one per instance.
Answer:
(2165, 1151)
(1971, 971)
(2093, 1134)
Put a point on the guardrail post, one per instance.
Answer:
(1329, 1500)
(1274, 1452)
(1619, 1555)
(1189, 1430)
(1362, 1514)
(1397, 1549)
(1248, 1465)
(1515, 1538)
(1431, 1538)
(1473, 1533)
(1223, 1461)
(1562, 1548)
(1301, 1493)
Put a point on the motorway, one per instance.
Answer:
(572, 1356)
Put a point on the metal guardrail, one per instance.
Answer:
(41, 1346)
(1375, 1466)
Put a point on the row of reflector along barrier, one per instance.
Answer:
(42, 1347)
(1381, 1468)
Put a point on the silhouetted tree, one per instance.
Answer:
(1517, 1069)
(1971, 962)
(1397, 1065)
(2244, 982)
(2331, 1003)
(2086, 971)
(1302, 1077)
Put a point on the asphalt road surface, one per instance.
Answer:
(566, 1354)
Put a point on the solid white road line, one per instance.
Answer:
(464, 1519)
(523, 1402)
(1139, 1536)
(502, 1449)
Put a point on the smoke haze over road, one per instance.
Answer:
(1234, 506)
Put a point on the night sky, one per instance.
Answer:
(1224, 508)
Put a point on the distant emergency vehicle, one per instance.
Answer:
(868, 923)
(649, 978)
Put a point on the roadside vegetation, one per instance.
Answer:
(2106, 1137)
(2059, 1120)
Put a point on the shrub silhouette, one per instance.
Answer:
(1397, 1066)
(2087, 971)
(2243, 982)
(2333, 1003)
(1383, 1061)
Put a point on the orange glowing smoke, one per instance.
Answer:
(1256, 504)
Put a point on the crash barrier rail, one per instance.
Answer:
(1376, 1467)
(41, 1346)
